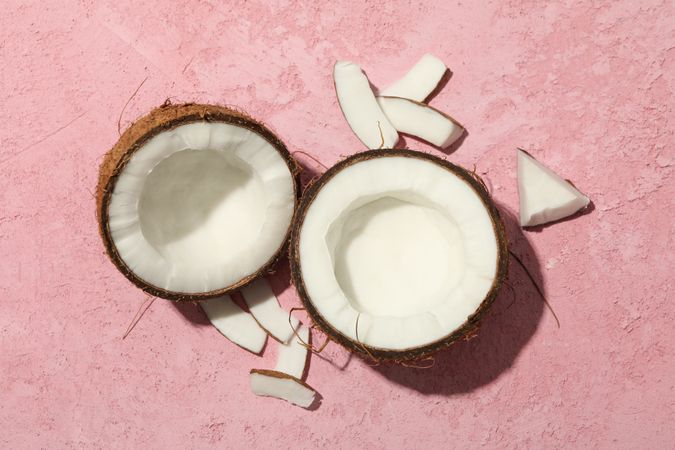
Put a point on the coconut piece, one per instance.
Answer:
(420, 120)
(270, 383)
(195, 201)
(360, 108)
(292, 356)
(396, 254)
(265, 308)
(234, 323)
(544, 195)
(420, 81)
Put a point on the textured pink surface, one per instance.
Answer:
(588, 89)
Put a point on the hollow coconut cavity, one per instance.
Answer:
(397, 254)
(195, 201)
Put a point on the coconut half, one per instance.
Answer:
(196, 201)
(397, 254)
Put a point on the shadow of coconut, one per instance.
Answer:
(504, 331)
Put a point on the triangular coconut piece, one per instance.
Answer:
(544, 195)
(270, 383)
(235, 324)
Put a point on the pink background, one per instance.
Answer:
(587, 89)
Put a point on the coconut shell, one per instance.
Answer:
(160, 119)
(468, 329)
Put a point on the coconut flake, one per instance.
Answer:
(420, 81)
(360, 108)
(544, 195)
(264, 306)
(234, 323)
(270, 383)
(420, 120)
(292, 356)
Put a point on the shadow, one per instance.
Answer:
(587, 210)
(504, 331)
(192, 312)
(310, 168)
(440, 86)
(173, 210)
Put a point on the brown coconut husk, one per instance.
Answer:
(375, 354)
(160, 119)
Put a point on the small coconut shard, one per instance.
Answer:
(420, 120)
(195, 201)
(397, 254)
(544, 195)
(292, 356)
(265, 308)
(360, 108)
(270, 383)
(234, 323)
(420, 81)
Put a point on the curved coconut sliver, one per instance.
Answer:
(234, 323)
(420, 81)
(264, 306)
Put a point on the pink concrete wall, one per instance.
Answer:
(586, 86)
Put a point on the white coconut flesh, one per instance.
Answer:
(420, 81)
(401, 244)
(200, 207)
(544, 195)
(265, 308)
(420, 120)
(278, 385)
(292, 356)
(234, 323)
(360, 108)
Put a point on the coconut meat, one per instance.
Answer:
(544, 195)
(292, 356)
(401, 245)
(360, 108)
(420, 120)
(420, 81)
(201, 206)
(234, 323)
(264, 306)
(269, 383)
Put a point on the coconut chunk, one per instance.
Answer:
(396, 254)
(270, 383)
(292, 356)
(265, 308)
(360, 108)
(544, 195)
(420, 120)
(195, 201)
(234, 323)
(420, 81)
